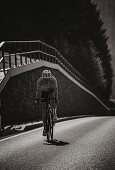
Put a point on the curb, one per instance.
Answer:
(13, 131)
(59, 120)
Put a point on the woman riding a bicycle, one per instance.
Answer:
(47, 88)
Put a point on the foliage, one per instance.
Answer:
(75, 29)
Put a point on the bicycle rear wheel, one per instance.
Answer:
(50, 127)
(49, 133)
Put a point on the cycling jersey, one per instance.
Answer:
(47, 87)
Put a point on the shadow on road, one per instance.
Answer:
(57, 143)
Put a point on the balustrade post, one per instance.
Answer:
(25, 54)
(25, 58)
(49, 51)
(20, 59)
(15, 60)
(49, 58)
(58, 57)
(38, 45)
(35, 56)
(9, 60)
(54, 58)
(41, 47)
(30, 58)
(39, 55)
(42, 56)
(15, 56)
(30, 53)
(3, 62)
(45, 49)
(55, 54)
(34, 52)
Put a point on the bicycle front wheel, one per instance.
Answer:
(50, 128)
(51, 132)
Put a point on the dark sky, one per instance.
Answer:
(108, 15)
(19, 19)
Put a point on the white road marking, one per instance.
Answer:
(23, 133)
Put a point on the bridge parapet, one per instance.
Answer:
(18, 53)
(22, 63)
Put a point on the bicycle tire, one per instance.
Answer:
(48, 131)
(51, 130)
(49, 126)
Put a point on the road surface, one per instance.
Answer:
(80, 144)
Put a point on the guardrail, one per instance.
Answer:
(18, 53)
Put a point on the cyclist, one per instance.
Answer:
(47, 88)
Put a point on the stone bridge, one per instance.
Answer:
(21, 64)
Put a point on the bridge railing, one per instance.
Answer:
(17, 53)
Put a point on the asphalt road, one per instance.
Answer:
(80, 144)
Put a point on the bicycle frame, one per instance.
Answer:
(49, 119)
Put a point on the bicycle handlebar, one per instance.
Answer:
(48, 98)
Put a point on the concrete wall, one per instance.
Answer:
(19, 91)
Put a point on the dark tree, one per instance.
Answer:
(73, 27)
(97, 33)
